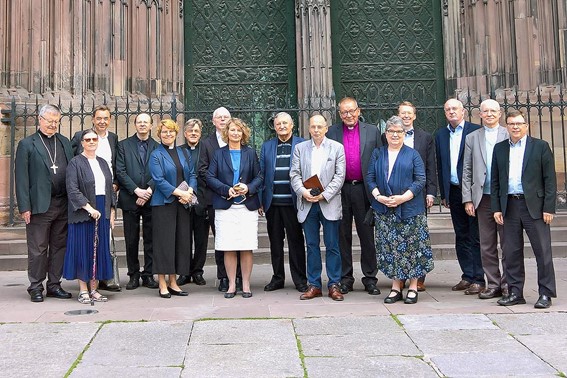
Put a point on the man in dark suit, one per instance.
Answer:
(422, 142)
(523, 195)
(359, 140)
(41, 162)
(477, 164)
(449, 147)
(279, 205)
(221, 116)
(199, 226)
(107, 148)
(135, 182)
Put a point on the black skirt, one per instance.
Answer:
(171, 239)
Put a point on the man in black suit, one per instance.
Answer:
(107, 147)
(221, 116)
(449, 149)
(422, 142)
(523, 195)
(359, 140)
(199, 226)
(135, 180)
(41, 162)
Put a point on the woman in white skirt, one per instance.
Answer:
(234, 178)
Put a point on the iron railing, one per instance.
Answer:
(545, 110)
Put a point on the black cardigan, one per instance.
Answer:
(81, 188)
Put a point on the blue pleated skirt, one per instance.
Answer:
(80, 248)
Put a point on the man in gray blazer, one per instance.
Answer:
(324, 158)
(477, 165)
(359, 140)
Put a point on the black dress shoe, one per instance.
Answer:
(544, 301)
(393, 298)
(372, 289)
(238, 283)
(275, 285)
(302, 288)
(183, 280)
(511, 300)
(36, 295)
(345, 288)
(199, 280)
(166, 295)
(149, 282)
(59, 293)
(179, 293)
(223, 284)
(413, 299)
(133, 283)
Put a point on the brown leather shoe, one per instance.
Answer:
(474, 289)
(335, 293)
(490, 292)
(312, 292)
(462, 285)
(505, 291)
(420, 286)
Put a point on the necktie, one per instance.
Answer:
(409, 133)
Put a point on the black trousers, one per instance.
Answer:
(199, 233)
(355, 205)
(282, 220)
(516, 220)
(467, 242)
(46, 236)
(131, 221)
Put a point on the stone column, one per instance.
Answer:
(314, 57)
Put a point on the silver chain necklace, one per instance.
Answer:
(53, 166)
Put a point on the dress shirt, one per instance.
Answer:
(455, 137)
(351, 143)
(490, 137)
(222, 143)
(103, 150)
(516, 161)
(318, 157)
(409, 138)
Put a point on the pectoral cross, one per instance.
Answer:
(54, 167)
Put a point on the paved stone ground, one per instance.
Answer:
(138, 334)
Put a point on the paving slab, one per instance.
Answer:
(550, 348)
(83, 371)
(492, 364)
(446, 322)
(243, 348)
(42, 350)
(123, 344)
(378, 366)
(537, 323)
(347, 326)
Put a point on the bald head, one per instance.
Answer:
(454, 111)
(318, 128)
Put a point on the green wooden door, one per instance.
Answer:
(389, 51)
(241, 54)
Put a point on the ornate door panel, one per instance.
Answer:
(389, 51)
(240, 54)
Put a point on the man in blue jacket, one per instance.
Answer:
(279, 205)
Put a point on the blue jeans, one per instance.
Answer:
(333, 264)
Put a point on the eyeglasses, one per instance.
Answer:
(395, 132)
(514, 124)
(53, 122)
(88, 140)
(348, 112)
(491, 111)
(168, 132)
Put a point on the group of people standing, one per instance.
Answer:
(344, 172)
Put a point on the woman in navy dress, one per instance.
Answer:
(91, 213)
(170, 168)
(396, 177)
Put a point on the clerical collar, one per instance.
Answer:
(43, 134)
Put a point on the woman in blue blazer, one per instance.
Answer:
(174, 185)
(234, 178)
(396, 177)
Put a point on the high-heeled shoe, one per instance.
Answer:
(229, 295)
(393, 299)
(411, 300)
(179, 293)
(166, 295)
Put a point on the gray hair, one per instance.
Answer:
(192, 123)
(394, 121)
(222, 109)
(48, 108)
(283, 115)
